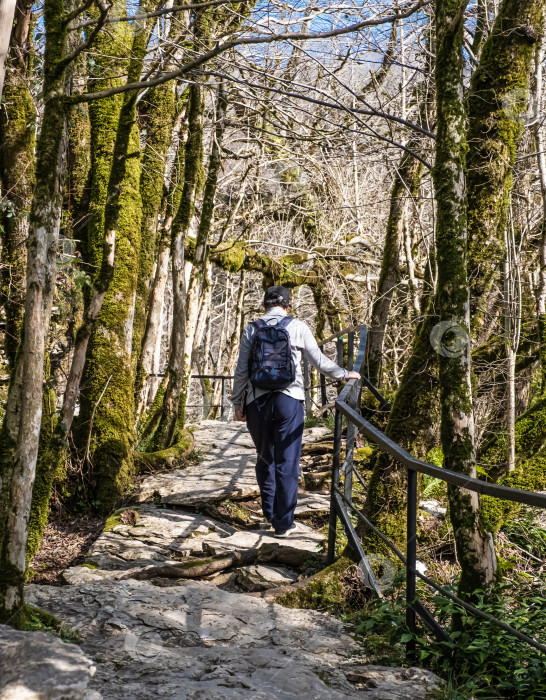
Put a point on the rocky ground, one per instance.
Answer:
(170, 603)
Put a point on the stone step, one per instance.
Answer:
(195, 641)
(162, 535)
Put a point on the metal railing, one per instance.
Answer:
(341, 355)
(224, 401)
(347, 404)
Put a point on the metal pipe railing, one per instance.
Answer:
(347, 404)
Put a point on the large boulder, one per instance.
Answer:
(39, 666)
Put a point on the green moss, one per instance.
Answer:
(530, 476)
(89, 564)
(108, 403)
(17, 170)
(51, 460)
(323, 590)
(36, 620)
(363, 454)
(112, 522)
(497, 100)
(171, 457)
(230, 256)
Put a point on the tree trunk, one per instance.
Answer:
(541, 162)
(193, 179)
(7, 13)
(406, 183)
(21, 429)
(199, 280)
(159, 115)
(145, 386)
(106, 423)
(232, 346)
(496, 104)
(474, 549)
(17, 171)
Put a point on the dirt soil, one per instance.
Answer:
(64, 544)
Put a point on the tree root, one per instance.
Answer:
(199, 567)
(170, 458)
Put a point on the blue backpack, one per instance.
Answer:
(270, 363)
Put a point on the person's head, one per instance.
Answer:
(277, 296)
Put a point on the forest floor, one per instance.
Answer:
(175, 598)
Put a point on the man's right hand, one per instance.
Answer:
(354, 375)
(239, 415)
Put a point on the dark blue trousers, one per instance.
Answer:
(275, 422)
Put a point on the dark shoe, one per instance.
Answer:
(287, 533)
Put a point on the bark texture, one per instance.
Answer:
(496, 106)
(474, 548)
(17, 173)
(19, 440)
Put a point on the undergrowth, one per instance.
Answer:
(480, 660)
(37, 620)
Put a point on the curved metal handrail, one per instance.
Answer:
(343, 501)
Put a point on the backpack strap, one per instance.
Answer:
(284, 322)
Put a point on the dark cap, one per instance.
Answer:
(278, 294)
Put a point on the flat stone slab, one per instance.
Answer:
(304, 538)
(159, 535)
(313, 503)
(165, 536)
(226, 469)
(39, 666)
(197, 641)
(383, 683)
(261, 578)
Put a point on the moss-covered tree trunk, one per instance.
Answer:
(21, 429)
(414, 418)
(496, 103)
(17, 165)
(413, 423)
(499, 99)
(154, 312)
(159, 115)
(106, 422)
(167, 431)
(474, 548)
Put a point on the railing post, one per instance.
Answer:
(411, 555)
(323, 396)
(307, 388)
(351, 350)
(339, 347)
(223, 401)
(336, 461)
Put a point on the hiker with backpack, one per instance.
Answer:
(268, 393)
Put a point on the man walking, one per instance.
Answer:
(268, 393)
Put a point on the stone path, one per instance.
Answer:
(201, 639)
